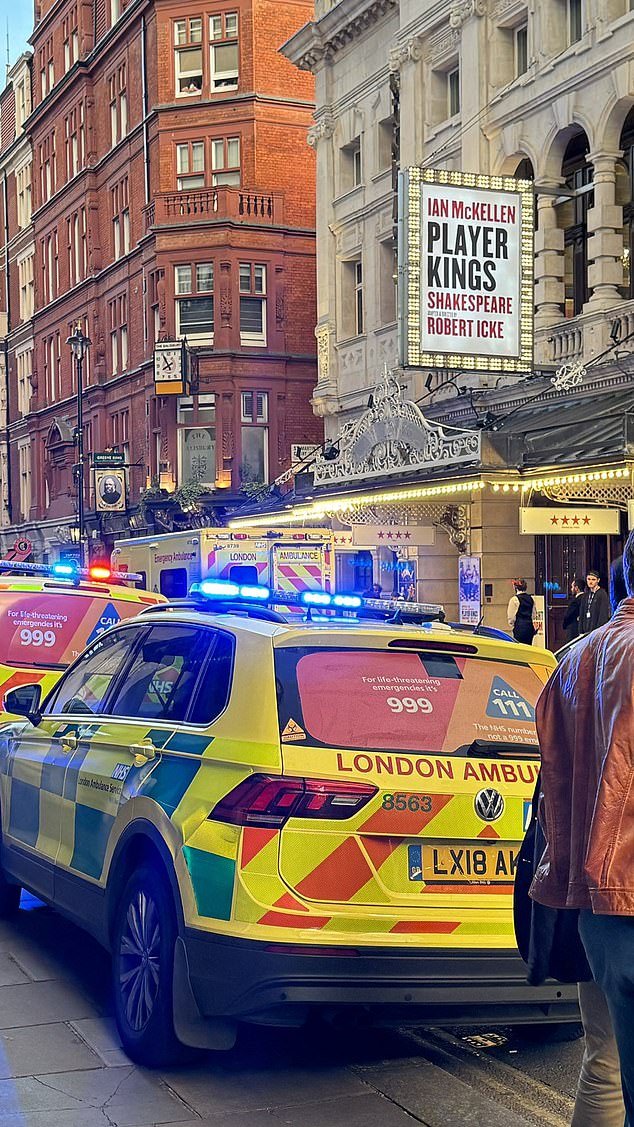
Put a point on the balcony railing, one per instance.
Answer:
(585, 337)
(214, 204)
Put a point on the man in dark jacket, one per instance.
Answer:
(571, 617)
(594, 609)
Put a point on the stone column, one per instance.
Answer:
(549, 261)
(465, 17)
(605, 236)
(320, 138)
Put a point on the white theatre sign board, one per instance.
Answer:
(569, 522)
(385, 536)
(466, 270)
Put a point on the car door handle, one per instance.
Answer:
(143, 752)
(69, 743)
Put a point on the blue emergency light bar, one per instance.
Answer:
(99, 572)
(225, 591)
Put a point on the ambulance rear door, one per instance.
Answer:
(237, 560)
(300, 567)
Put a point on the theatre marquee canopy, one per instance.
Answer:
(465, 270)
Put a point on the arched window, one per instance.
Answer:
(572, 216)
(524, 170)
(625, 197)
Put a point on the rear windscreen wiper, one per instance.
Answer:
(498, 747)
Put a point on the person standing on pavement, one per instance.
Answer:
(522, 614)
(585, 728)
(571, 617)
(594, 609)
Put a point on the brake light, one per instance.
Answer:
(266, 801)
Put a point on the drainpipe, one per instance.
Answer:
(146, 148)
(5, 202)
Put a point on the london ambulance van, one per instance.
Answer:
(287, 560)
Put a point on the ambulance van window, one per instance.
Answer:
(174, 582)
(243, 573)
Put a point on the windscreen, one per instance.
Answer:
(423, 702)
(50, 628)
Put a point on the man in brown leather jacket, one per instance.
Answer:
(585, 723)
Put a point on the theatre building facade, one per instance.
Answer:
(524, 468)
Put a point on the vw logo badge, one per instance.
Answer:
(489, 805)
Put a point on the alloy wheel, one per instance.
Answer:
(139, 963)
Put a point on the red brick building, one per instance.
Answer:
(172, 196)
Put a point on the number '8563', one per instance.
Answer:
(411, 802)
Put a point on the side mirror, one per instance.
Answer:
(24, 701)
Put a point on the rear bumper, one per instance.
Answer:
(275, 985)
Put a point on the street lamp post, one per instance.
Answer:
(79, 345)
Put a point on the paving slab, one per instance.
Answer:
(367, 1110)
(437, 1098)
(39, 1003)
(128, 1095)
(37, 965)
(42, 1049)
(11, 974)
(101, 1034)
(227, 1119)
(30, 1094)
(85, 1117)
(213, 1091)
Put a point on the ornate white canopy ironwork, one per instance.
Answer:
(393, 436)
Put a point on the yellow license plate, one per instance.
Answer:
(458, 864)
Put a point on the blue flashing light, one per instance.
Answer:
(260, 594)
(218, 589)
(348, 602)
(316, 599)
(66, 571)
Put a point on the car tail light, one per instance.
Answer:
(265, 800)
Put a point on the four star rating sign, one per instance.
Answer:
(572, 522)
(561, 521)
(392, 535)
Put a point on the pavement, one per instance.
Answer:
(61, 1063)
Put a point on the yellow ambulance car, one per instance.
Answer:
(48, 616)
(263, 817)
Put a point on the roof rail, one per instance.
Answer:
(483, 631)
(217, 591)
(265, 614)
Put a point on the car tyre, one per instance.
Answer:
(144, 935)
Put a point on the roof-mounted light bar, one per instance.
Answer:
(225, 591)
(99, 573)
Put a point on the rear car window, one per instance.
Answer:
(422, 702)
(49, 629)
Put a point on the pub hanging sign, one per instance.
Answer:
(465, 270)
